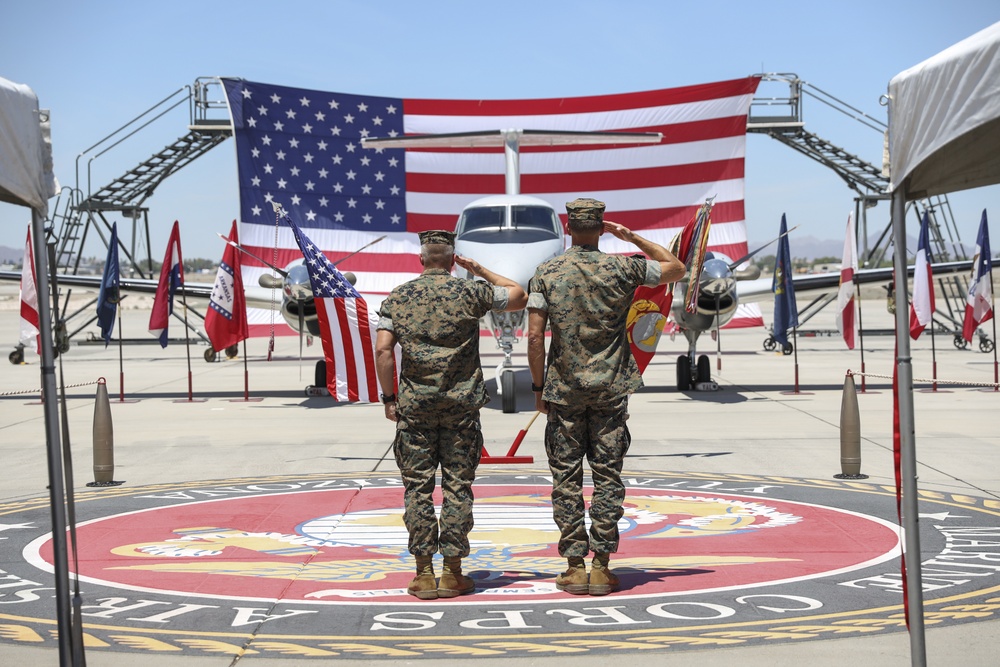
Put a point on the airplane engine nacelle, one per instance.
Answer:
(298, 307)
(717, 299)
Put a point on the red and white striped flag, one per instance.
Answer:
(303, 147)
(29, 299)
(847, 323)
(922, 307)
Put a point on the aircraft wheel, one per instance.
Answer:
(210, 355)
(960, 342)
(17, 356)
(509, 395)
(683, 373)
(320, 376)
(704, 373)
(770, 345)
(787, 349)
(232, 351)
(985, 345)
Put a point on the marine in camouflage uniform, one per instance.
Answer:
(435, 320)
(584, 297)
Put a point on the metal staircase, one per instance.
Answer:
(84, 209)
(781, 118)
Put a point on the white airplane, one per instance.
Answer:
(510, 233)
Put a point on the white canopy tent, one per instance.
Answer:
(944, 135)
(26, 179)
(944, 119)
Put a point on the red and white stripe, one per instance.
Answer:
(349, 353)
(846, 320)
(29, 334)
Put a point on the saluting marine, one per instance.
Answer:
(435, 320)
(584, 296)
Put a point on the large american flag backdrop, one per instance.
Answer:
(302, 148)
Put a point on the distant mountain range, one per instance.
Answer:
(804, 247)
(810, 247)
(8, 255)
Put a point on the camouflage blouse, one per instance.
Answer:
(587, 294)
(435, 317)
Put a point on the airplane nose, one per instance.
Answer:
(296, 286)
(716, 278)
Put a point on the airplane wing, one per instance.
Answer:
(760, 289)
(525, 138)
(135, 285)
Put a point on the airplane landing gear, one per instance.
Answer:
(697, 377)
(683, 373)
(17, 356)
(508, 390)
(319, 378)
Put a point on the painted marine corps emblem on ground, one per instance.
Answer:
(317, 566)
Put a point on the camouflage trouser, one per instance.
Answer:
(600, 434)
(423, 443)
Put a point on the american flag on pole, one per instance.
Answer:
(347, 325)
(303, 148)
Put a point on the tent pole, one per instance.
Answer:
(908, 452)
(50, 407)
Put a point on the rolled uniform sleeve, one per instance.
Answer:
(653, 273)
(385, 315)
(536, 298)
(501, 297)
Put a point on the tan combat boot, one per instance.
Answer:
(602, 579)
(574, 579)
(453, 583)
(424, 586)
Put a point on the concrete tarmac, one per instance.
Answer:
(760, 425)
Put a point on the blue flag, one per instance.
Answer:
(107, 300)
(786, 313)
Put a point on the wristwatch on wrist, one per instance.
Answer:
(388, 398)
(535, 387)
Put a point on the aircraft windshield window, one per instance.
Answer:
(486, 217)
(535, 217)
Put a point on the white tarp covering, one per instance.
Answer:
(26, 176)
(944, 119)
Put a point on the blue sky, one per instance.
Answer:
(99, 64)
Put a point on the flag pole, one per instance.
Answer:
(246, 373)
(861, 336)
(996, 374)
(121, 357)
(795, 350)
(933, 357)
(187, 341)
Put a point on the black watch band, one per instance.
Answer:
(535, 387)
(388, 398)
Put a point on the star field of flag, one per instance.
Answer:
(303, 149)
